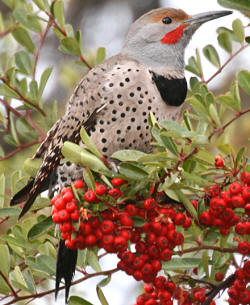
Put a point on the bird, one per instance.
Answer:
(113, 101)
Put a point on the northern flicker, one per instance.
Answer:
(113, 101)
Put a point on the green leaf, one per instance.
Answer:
(225, 41)
(8, 92)
(240, 155)
(44, 78)
(128, 155)
(104, 282)
(205, 261)
(33, 90)
(47, 264)
(58, 12)
(181, 264)
(100, 55)
(70, 45)
(31, 166)
(101, 296)
(138, 221)
(132, 171)
(228, 101)
(236, 94)
(18, 279)
(243, 78)
(5, 258)
(92, 260)
(23, 62)
(169, 144)
(75, 300)
(187, 204)
(1, 23)
(214, 114)
(238, 29)
(89, 143)
(40, 228)
(193, 66)
(13, 129)
(8, 212)
(79, 155)
(211, 54)
(30, 283)
(241, 5)
(40, 4)
(153, 158)
(2, 190)
(88, 178)
(22, 36)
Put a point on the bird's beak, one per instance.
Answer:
(204, 17)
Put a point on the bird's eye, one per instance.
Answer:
(166, 20)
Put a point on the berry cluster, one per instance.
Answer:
(238, 292)
(223, 205)
(145, 233)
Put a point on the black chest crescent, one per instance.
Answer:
(172, 90)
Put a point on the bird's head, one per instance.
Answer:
(159, 37)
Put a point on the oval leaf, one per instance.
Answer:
(211, 54)
(22, 36)
(40, 228)
(243, 78)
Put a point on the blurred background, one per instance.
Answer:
(105, 23)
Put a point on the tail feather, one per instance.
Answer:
(23, 194)
(65, 267)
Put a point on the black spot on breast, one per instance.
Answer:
(173, 91)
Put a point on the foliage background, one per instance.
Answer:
(90, 16)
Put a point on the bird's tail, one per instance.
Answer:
(23, 194)
(65, 267)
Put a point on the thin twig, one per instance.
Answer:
(222, 286)
(204, 247)
(226, 63)
(43, 36)
(39, 295)
(34, 125)
(9, 284)
(2, 34)
(8, 106)
(221, 129)
(20, 147)
(22, 98)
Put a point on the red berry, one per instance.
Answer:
(63, 215)
(205, 218)
(75, 215)
(179, 239)
(239, 284)
(214, 190)
(53, 200)
(239, 273)
(69, 244)
(68, 195)
(200, 296)
(245, 177)
(140, 247)
(107, 226)
(149, 204)
(100, 189)
(219, 162)
(65, 190)
(126, 220)
(151, 301)
(243, 247)
(128, 257)
(240, 228)
(78, 184)
(131, 209)
(118, 181)
(235, 188)
(164, 295)
(147, 269)
(138, 263)
(166, 255)
(153, 251)
(148, 288)
(108, 239)
(71, 206)
(56, 218)
(162, 242)
(90, 196)
(116, 193)
(170, 286)
(246, 268)
(247, 209)
(179, 219)
(156, 264)
(219, 276)
(59, 203)
(238, 201)
(90, 240)
(246, 193)
(187, 223)
(66, 227)
(217, 204)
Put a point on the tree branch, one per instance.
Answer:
(20, 147)
(204, 247)
(221, 129)
(8, 106)
(9, 284)
(222, 286)
(39, 295)
(226, 63)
